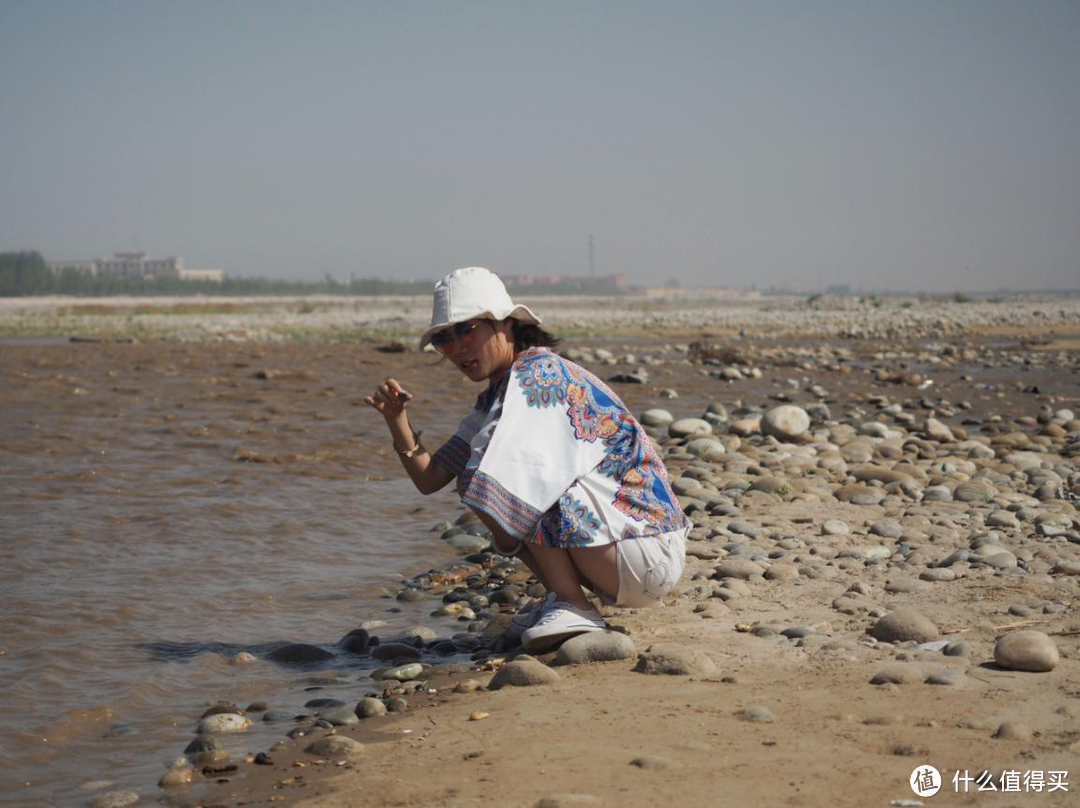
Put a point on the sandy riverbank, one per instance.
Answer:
(938, 472)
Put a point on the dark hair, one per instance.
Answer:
(527, 335)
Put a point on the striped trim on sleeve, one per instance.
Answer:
(517, 518)
(453, 455)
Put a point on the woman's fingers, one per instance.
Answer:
(389, 397)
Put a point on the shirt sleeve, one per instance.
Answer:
(454, 454)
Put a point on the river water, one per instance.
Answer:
(162, 507)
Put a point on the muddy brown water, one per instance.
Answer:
(163, 507)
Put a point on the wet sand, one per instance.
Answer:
(604, 733)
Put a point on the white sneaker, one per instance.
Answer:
(527, 619)
(560, 621)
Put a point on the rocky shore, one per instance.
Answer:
(883, 576)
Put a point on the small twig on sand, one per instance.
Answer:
(430, 729)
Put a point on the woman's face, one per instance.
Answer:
(481, 349)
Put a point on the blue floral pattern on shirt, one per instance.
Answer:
(596, 413)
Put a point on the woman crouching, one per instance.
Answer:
(550, 461)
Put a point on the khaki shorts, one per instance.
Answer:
(649, 568)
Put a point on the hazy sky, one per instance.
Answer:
(888, 145)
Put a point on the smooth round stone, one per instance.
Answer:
(115, 799)
(785, 422)
(937, 431)
(755, 712)
(745, 427)
(974, 491)
(1012, 731)
(653, 762)
(937, 493)
(712, 610)
(243, 658)
(946, 676)
(569, 800)
(887, 528)
(396, 704)
(322, 704)
(277, 716)
(595, 646)
(706, 449)
(958, 648)
(1066, 568)
(1002, 519)
(904, 625)
(656, 417)
(336, 746)
(464, 543)
(356, 641)
(686, 486)
(403, 673)
(223, 722)
(299, 653)
(1000, 560)
(1026, 650)
(898, 673)
(411, 594)
(179, 774)
(339, 716)
(835, 527)
(686, 427)
(369, 707)
(523, 673)
(674, 660)
(740, 568)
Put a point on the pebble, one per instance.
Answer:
(755, 712)
(299, 654)
(653, 762)
(835, 527)
(904, 625)
(336, 746)
(568, 801)
(675, 660)
(339, 716)
(686, 427)
(223, 723)
(1026, 650)
(596, 646)
(785, 422)
(115, 799)
(523, 673)
(946, 676)
(369, 707)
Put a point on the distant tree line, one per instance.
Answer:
(25, 274)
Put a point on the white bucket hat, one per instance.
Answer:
(470, 293)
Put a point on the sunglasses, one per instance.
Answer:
(463, 334)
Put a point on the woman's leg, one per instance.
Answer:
(564, 571)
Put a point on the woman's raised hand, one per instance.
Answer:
(389, 399)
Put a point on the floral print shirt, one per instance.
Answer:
(554, 457)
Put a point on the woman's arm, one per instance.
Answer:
(390, 400)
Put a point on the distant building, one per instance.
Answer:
(138, 265)
(215, 275)
(562, 281)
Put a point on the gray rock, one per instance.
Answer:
(299, 653)
(835, 527)
(888, 528)
(653, 762)
(523, 673)
(568, 801)
(223, 722)
(946, 676)
(339, 716)
(115, 799)
(675, 660)
(685, 427)
(656, 417)
(740, 568)
(785, 422)
(1026, 650)
(595, 646)
(935, 430)
(369, 707)
(403, 673)
(898, 673)
(937, 493)
(336, 746)
(904, 625)
(755, 712)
